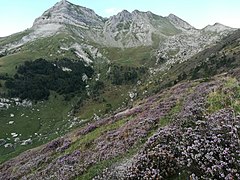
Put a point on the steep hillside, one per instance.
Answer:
(189, 130)
(122, 30)
(119, 97)
(223, 57)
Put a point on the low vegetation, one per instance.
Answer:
(35, 79)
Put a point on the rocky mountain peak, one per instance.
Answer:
(64, 1)
(178, 22)
(124, 15)
(136, 11)
(65, 12)
(217, 27)
(126, 29)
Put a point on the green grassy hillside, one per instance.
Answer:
(121, 107)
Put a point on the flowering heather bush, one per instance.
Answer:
(88, 129)
(53, 145)
(210, 149)
(206, 150)
(194, 105)
(146, 118)
(196, 144)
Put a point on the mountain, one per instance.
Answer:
(122, 30)
(69, 14)
(182, 131)
(137, 28)
(126, 97)
(217, 27)
(179, 22)
(167, 40)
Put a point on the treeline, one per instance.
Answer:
(125, 75)
(35, 79)
(207, 69)
(213, 66)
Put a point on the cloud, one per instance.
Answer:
(112, 11)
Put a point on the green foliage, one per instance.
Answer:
(213, 66)
(116, 96)
(35, 79)
(226, 96)
(168, 118)
(97, 88)
(182, 76)
(134, 57)
(48, 118)
(108, 108)
(125, 75)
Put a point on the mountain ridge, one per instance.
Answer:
(136, 28)
(134, 96)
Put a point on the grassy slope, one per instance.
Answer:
(213, 100)
(8, 63)
(14, 37)
(48, 48)
(115, 96)
(46, 118)
(140, 56)
(214, 103)
(52, 114)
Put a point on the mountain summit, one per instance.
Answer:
(217, 27)
(179, 22)
(67, 13)
(124, 30)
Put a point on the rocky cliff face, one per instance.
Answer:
(137, 28)
(69, 14)
(179, 23)
(122, 30)
(218, 28)
(173, 38)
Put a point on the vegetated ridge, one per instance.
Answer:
(135, 95)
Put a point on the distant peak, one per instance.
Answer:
(172, 16)
(124, 15)
(178, 22)
(64, 12)
(217, 27)
(125, 12)
(64, 2)
(149, 12)
(219, 24)
(136, 11)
